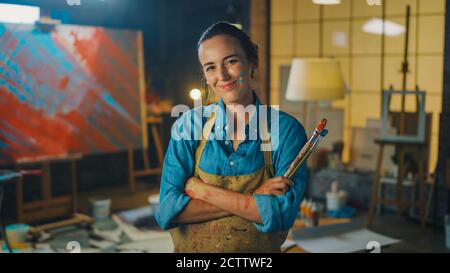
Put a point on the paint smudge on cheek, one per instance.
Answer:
(242, 78)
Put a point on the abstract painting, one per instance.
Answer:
(74, 89)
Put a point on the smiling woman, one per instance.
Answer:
(227, 66)
(227, 194)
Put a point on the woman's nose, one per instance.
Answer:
(223, 74)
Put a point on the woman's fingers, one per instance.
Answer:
(277, 192)
(283, 185)
(281, 179)
(277, 179)
(291, 183)
(278, 185)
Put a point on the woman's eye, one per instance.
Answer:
(232, 61)
(209, 68)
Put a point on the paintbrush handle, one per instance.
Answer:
(305, 153)
(310, 151)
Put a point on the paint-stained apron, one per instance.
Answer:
(229, 234)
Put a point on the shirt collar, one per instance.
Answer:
(222, 120)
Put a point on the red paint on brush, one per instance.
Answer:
(321, 125)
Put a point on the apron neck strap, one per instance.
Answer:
(267, 151)
(205, 135)
(265, 139)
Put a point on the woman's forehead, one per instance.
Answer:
(219, 47)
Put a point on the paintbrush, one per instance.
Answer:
(307, 149)
(323, 133)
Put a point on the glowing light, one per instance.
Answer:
(375, 26)
(195, 94)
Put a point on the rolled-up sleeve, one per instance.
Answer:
(279, 212)
(177, 168)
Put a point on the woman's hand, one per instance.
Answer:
(194, 187)
(277, 186)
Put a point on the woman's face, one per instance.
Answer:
(226, 69)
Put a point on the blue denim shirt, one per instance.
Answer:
(277, 212)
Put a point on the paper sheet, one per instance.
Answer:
(161, 245)
(135, 234)
(342, 238)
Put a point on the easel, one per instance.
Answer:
(154, 122)
(49, 206)
(401, 141)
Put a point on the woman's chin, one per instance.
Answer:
(232, 97)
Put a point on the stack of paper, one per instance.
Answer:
(340, 238)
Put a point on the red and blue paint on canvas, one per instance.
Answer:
(72, 90)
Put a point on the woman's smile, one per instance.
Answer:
(228, 86)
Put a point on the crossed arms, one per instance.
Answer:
(209, 202)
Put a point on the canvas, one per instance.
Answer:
(74, 89)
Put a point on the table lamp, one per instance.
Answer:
(313, 80)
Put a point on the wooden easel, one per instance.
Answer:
(146, 120)
(400, 146)
(154, 122)
(49, 206)
(398, 201)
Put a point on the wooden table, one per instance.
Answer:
(48, 206)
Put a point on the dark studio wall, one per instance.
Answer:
(444, 145)
(442, 195)
(182, 27)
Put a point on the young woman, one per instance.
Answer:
(225, 193)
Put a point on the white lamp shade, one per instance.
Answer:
(315, 79)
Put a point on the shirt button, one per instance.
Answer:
(227, 142)
(231, 163)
